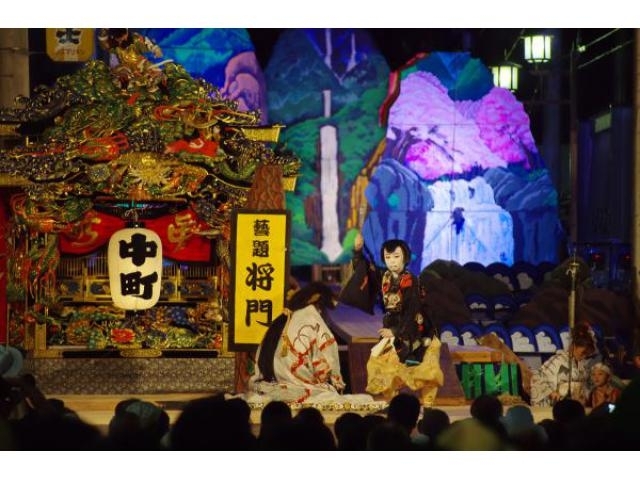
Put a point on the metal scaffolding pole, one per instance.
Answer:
(573, 142)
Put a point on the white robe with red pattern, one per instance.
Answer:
(305, 363)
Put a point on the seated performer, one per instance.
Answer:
(566, 373)
(298, 356)
(405, 361)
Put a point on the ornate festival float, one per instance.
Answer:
(433, 153)
(118, 165)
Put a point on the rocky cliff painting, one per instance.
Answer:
(473, 187)
(433, 153)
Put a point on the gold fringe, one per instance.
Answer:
(284, 351)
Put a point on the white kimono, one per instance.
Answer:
(305, 363)
(553, 375)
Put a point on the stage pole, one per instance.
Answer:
(573, 273)
(573, 142)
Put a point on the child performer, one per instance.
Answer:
(603, 391)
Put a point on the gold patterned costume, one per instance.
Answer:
(386, 374)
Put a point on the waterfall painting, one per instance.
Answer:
(326, 86)
(460, 177)
(433, 154)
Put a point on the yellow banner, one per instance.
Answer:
(260, 242)
(70, 44)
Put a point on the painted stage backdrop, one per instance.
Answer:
(224, 57)
(433, 153)
(326, 86)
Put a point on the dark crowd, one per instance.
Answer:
(31, 421)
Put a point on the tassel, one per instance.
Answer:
(284, 351)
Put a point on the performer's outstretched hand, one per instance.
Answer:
(385, 333)
(358, 242)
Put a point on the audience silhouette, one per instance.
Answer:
(350, 431)
(275, 420)
(30, 421)
(433, 422)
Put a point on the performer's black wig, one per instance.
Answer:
(314, 293)
(392, 244)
